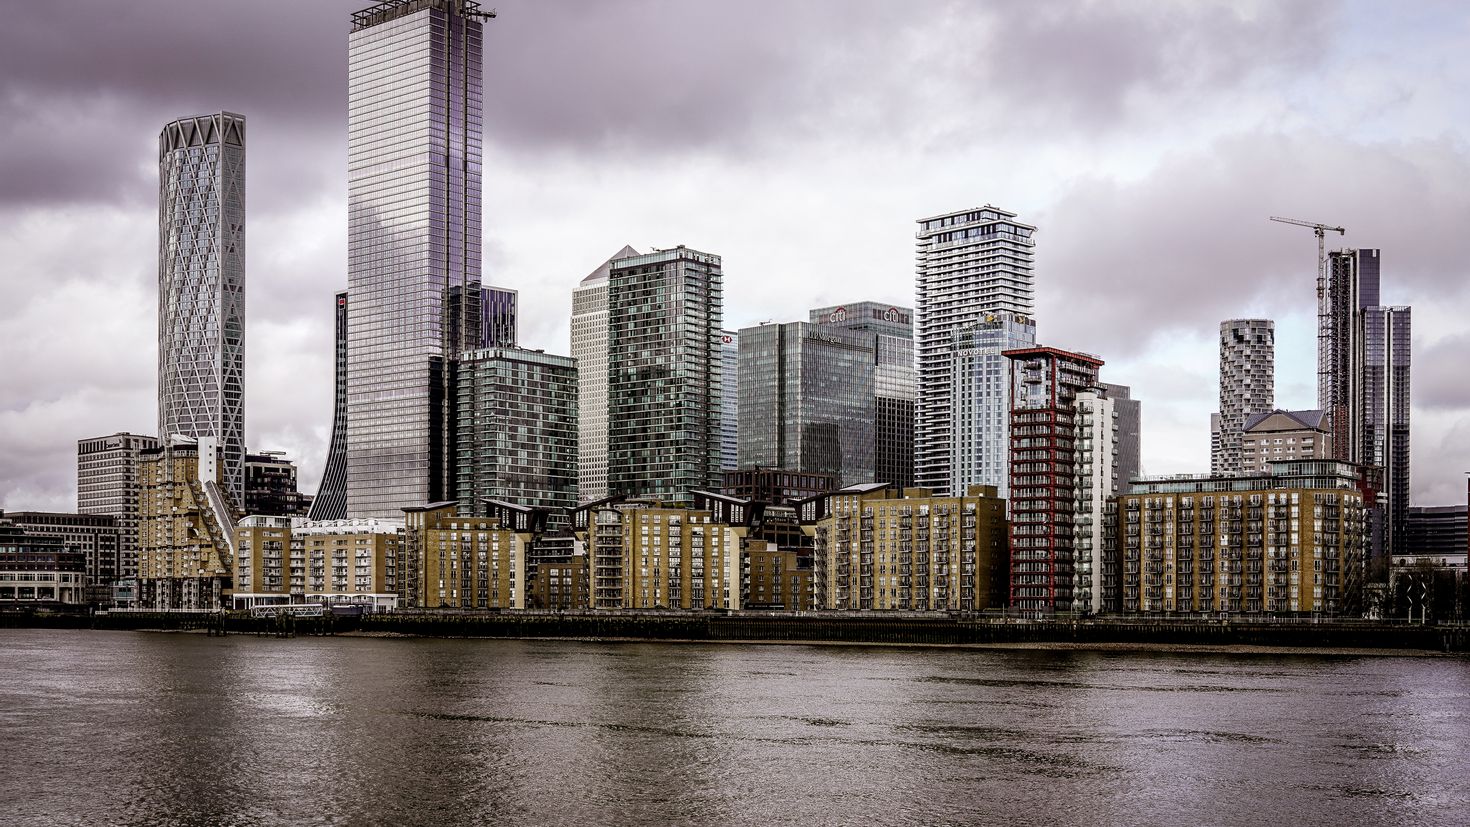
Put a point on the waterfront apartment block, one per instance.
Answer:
(775, 578)
(1290, 541)
(333, 562)
(665, 374)
(107, 484)
(517, 429)
(1247, 386)
(562, 583)
(1278, 436)
(969, 265)
(1052, 465)
(201, 287)
(186, 527)
(98, 537)
(876, 548)
(39, 569)
(452, 561)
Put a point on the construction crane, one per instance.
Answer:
(1325, 360)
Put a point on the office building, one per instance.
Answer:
(201, 287)
(107, 484)
(777, 486)
(971, 266)
(807, 392)
(589, 348)
(1278, 435)
(1247, 386)
(1288, 541)
(877, 548)
(186, 526)
(729, 401)
(39, 568)
(1437, 532)
(1364, 366)
(413, 244)
(517, 429)
(270, 486)
(664, 374)
(892, 330)
(1048, 467)
(330, 502)
(97, 536)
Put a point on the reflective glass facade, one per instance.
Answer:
(331, 495)
(892, 329)
(807, 400)
(968, 264)
(413, 194)
(589, 347)
(730, 401)
(201, 286)
(664, 374)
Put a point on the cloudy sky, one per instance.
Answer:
(1148, 141)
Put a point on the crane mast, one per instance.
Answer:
(1326, 321)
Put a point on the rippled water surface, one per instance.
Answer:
(144, 729)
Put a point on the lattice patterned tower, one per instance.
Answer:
(1247, 386)
(201, 287)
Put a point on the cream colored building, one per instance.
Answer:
(879, 549)
(456, 562)
(646, 555)
(1277, 436)
(332, 562)
(186, 527)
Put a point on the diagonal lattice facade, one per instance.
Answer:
(201, 286)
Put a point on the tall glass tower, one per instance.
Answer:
(331, 496)
(973, 270)
(413, 201)
(201, 287)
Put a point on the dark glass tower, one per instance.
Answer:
(201, 287)
(331, 495)
(413, 200)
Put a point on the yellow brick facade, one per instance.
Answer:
(456, 562)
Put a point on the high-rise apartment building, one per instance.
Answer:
(980, 398)
(1363, 386)
(730, 401)
(808, 396)
(331, 495)
(270, 486)
(1278, 435)
(892, 329)
(413, 199)
(1247, 386)
(970, 265)
(107, 484)
(1049, 464)
(186, 527)
(664, 374)
(201, 287)
(517, 429)
(1128, 414)
(589, 348)
(1096, 471)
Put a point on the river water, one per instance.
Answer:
(173, 729)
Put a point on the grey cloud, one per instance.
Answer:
(1441, 378)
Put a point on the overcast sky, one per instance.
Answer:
(798, 139)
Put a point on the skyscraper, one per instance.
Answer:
(980, 407)
(1129, 414)
(969, 265)
(1247, 386)
(413, 200)
(589, 348)
(664, 373)
(892, 331)
(201, 287)
(517, 430)
(1364, 387)
(807, 392)
(331, 494)
(730, 401)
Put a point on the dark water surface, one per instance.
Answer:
(145, 729)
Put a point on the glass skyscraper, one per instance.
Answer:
(969, 265)
(664, 377)
(980, 397)
(589, 348)
(892, 331)
(730, 401)
(331, 496)
(413, 198)
(201, 287)
(807, 394)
